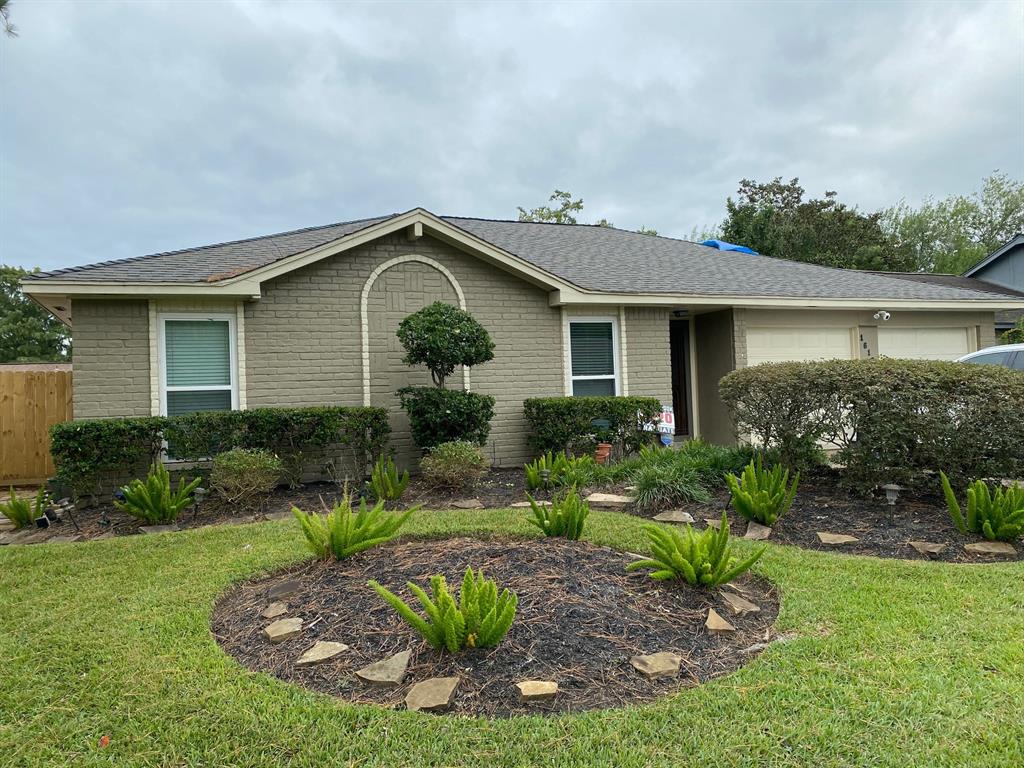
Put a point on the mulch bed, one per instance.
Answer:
(580, 619)
(881, 531)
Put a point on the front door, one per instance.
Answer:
(679, 343)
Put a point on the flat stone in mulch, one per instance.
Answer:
(757, 532)
(835, 539)
(928, 548)
(536, 691)
(609, 500)
(991, 548)
(283, 629)
(387, 673)
(674, 516)
(738, 604)
(274, 610)
(716, 623)
(656, 665)
(581, 618)
(321, 651)
(171, 528)
(433, 695)
(468, 504)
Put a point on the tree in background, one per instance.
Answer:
(28, 333)
(774, 219)
(565, 212)
(1014, 335)
(953, 234)
(5, 19)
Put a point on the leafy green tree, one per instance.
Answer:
(774, 219)
(5, 19)
(1013, 335)
(28, 333)
(953, 234)
(563, 213)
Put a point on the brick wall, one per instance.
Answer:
(648, 353)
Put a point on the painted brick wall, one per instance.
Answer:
(111, 358)
(648, 353)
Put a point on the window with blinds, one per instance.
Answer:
(198, 374)
(592, 352)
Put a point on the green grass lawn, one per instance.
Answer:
(894, 664)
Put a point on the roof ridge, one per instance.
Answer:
(577, 224)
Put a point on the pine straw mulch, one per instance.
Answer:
(580, 619)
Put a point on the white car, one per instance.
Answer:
(1006, 355)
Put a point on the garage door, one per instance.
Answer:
(923, 343)
(778, 344)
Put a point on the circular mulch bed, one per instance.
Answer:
(580, 619)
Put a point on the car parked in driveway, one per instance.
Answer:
(1006, 355)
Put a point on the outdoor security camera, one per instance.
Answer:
(882, 315)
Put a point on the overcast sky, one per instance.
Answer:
(134, 127)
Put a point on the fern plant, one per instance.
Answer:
(564, 518)
(701, 559)
(997, 516)
(23, 512)
(153, 501)
(762, 495)
(480, 618)
(385, 482)
(343, 532)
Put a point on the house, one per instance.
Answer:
(309, 317)
(1004, 267)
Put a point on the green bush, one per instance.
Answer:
(385, 482)
(667, 484)
(551, 464)
(577, 424)
(891, 419)
(480, 618)
(23, 512)
(564, 518)
(762, 495)
(443, 337)
(342, 532)
(444, 415)
(564, 471)
(240, 476)
(153, 501)
(997, 516)
(455, 466)
(1013, 335)
(701, 559)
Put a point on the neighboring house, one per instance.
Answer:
(309, 318)
(1004, 267)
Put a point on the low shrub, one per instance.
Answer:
(891, 420)
(564, 518)
(342, 533)
(665, 484)
(997, 516)
(241, 475)
(577, 424)
(153, 501)
(760, 494)
(23, 512)
(701, 559)
(480, 619)
(455, 466)
(385, 482)
(439, 416)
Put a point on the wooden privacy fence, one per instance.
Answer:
(33, 396)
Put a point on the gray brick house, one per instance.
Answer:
(309, 318)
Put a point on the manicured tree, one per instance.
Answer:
(443, 337)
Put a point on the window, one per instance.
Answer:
(197, 371)
(994, 358)
(594, 352)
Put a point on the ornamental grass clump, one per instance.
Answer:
(23, 512)
(243, 475)
(343, 532)
(454, 466)
(153, 501)
(480, 618)
(762, 495)
(385, 482)
(564, 518)
(701, 559)
(997, 516)
(662, 484)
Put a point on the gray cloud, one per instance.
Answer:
(129, 128)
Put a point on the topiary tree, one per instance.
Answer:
(443, 337)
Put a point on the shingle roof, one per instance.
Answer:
(593, 258)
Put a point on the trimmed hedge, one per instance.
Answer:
(892, 420)
(438, 416)
(567, 423)
(85, 451)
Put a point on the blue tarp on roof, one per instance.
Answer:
(724, 246)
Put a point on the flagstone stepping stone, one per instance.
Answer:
(609, 500)
(282, 629)
(674, 516)
(757, 532)
(536, 690)
(927, 548)
(159, 528)
(739, 604)
(835, 539)
(526, 504)
(281, 516)
(68, 538)
(716, 623)
(995, 548)
(386, 673)
(655, 665)
(274, 610)
(468, 504)
(713, 522)
(285, 588)
(433, 695)
(321, 651)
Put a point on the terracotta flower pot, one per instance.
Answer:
(602, 452)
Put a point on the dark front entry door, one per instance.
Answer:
(679, 342)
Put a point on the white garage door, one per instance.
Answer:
(779, 344)
(923, 343)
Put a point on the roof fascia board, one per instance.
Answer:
(1014, 241)
(113, 289)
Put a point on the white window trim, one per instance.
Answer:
(162, 319)
(616, 360)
